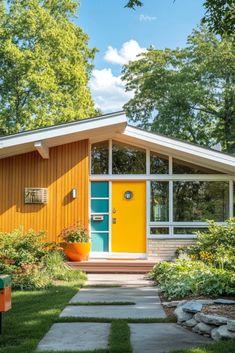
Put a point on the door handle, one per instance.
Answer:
(114, 220)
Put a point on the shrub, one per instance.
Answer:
(182, 278)
(32, 262)
(215, 247)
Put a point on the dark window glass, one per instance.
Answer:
(159, 230)
(159, 201)
(182, 231)
(200, 201)
(159, 164)
(182, 167)
(128, 159)
(100, 158)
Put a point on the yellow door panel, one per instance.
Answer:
(129, 216)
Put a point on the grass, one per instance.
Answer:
(110, 320)
(34, 312)
(102, 303)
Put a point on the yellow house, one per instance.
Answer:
(141, 194)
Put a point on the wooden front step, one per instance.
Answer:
(113, 266)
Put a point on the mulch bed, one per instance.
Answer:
(221, 310)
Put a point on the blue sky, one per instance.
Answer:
(120, 34)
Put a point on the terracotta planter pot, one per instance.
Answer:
(77, 251)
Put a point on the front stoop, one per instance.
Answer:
(113, 266)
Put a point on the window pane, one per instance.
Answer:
(159, 201)
(182, 231)
(128, 159)
(159, 230)
(158, 163)
(182, 167)
(200, 200)
(100, 158)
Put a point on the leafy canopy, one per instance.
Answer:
(45, 65)
(187, 93)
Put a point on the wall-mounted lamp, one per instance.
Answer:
(74, 193)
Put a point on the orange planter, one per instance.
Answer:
(77, 251)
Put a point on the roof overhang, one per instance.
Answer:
(186, 151)
(44, 138)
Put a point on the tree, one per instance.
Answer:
(186, 93)
(45, 65)
(219, 16)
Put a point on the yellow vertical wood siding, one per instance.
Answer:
(66, 168)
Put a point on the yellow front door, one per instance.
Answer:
(129, 216)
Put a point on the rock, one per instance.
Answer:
(224, 302)
(190, 323)
(192, 306)
(231, 325)
(211, 319)
(206, 301)
(181, 302)
(172, 304)
(222, 333)
(202, 328)
(181, 315)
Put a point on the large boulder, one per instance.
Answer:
(190, 323)
(202, 328)
(211, 319)
(231, 325)
(192, 306)
(222, 333)
(181, 315)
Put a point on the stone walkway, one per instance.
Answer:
(145, 337)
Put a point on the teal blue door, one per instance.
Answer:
(99, 213)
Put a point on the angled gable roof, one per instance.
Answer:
(109, 126)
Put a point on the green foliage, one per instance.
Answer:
(32, 262)
(75, 234)
(216, 246)
(134, 3)
(45, 65)
(186, 93)
(182, 278)
(55, 267)
(220, 16)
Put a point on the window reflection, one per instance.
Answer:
(159, 201)
(159, 164)
(128, 159)
(200, 201)
(100, 158)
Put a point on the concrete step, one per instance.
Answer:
(113, 266)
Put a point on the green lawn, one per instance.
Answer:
(34, 312)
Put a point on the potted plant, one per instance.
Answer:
(77, 244)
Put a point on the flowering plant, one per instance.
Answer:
(75, 234)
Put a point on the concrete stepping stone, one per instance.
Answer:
(136, 295)
(163, 338)
(76, 336)
(138, 311)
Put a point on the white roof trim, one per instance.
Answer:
(60, 134)
(173, 145)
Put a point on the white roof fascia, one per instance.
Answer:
(176, 145)
(55, 135)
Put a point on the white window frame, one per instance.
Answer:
(148, 177)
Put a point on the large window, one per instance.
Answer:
(159, 201)
(182, 167)
(200, 201)
(100, 158)
(159, 164)
(128, 159)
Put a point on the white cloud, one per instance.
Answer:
(108, 90)
(146, 18)
(128, 52)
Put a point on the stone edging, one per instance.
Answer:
(189, 314)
